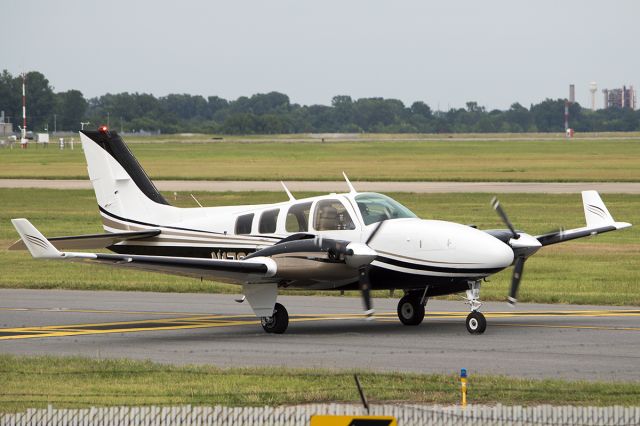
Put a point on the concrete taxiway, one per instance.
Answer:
(340, 186)
(533, 340)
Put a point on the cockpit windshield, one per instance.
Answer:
(378, 207)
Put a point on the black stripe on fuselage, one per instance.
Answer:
(137, 222)
(429, 268)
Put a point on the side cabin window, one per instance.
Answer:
(243, 224)
(331, 215)
(298, 218)
(268, 221)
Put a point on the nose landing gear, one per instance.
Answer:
(476, 322)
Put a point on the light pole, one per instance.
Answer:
(84, 123)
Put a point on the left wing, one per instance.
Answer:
(255, 269)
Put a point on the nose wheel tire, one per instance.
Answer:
(278, 322)
(410, 310)
(476, 323)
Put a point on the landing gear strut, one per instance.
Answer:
(278, 322)
(411, 307)
(476, 322)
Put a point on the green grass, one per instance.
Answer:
(73, 382)
(396, 157)
(600, 270)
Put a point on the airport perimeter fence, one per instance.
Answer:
(407, 415)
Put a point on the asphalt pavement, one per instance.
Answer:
(532, 340)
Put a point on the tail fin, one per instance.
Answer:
(121, 185)
(38, 245)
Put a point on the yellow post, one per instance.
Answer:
(463, 386)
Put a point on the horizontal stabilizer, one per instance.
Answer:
(598, 219)
(247, 270)
(91, 241)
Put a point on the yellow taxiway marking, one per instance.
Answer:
(101, 311)
(195, 321)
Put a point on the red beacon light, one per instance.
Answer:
(103, 129)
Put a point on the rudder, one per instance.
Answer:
(121, 185)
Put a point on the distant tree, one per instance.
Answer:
(240, 123)
(40, 100)
(215, 104)
(274, 113)
(375, 113)
(548, 115)
(422, 109)
(473, 106)
(10, 97)
(343, 116)
(519, 118)
(70, 107)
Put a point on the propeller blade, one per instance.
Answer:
(365, 289)
(498, 208)
(515, 280)
(375, 231)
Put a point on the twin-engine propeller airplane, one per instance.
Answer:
(347, 241)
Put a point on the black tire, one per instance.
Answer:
(476, 323)
(278, 322)
(410, 310)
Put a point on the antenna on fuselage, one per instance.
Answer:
(291, 197)
(351, 188)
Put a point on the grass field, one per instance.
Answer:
(380, 157)
(65, 382)
(600, 270)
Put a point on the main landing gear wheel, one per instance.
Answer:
(476, 323)
(278, 322)
(410, 310)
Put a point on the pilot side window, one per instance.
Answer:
(243, 224)
(298, 218)
(268, 221)
(331, 215)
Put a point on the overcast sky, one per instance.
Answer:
(442, 52)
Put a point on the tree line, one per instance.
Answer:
(273, 113)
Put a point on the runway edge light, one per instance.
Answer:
(463, 386)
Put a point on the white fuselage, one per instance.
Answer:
(427, 250)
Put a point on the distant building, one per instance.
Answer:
(6, 129)
(620, 98)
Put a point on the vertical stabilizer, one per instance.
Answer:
(121, 186)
